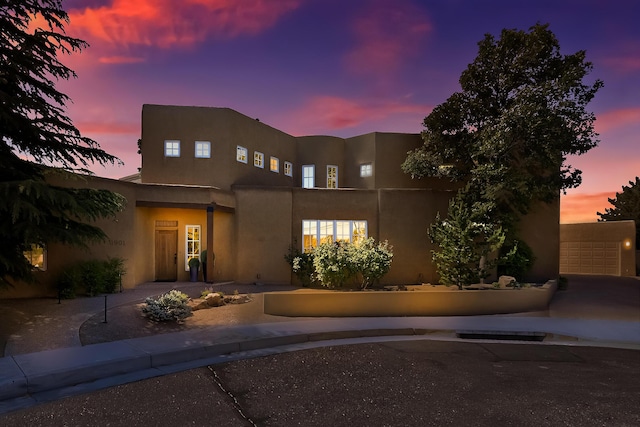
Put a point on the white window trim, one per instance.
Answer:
(186, 243)
(336, 178)
(288, 169)
(277, 163)
(318, 235)
(366, 170)
(313, 176)
(258, 155)
(204, 144)
(171, 141)
(245, 154)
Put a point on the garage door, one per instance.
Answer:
(590, 258)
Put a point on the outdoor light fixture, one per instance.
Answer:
(627, 243)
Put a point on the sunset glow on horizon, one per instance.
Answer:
(339, 68)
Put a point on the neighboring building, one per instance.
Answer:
(214, 178)
(598, 248)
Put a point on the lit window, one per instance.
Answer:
(37, 257)
(316, 232)
(172, 148)
(308, 178)
(241, 154)
(366, 170)
(332, 176)
(203, 149)
(288, 169)
(192, 242)
(274, 164)
(258, 159)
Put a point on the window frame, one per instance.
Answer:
(275, 169)
(332, 179)
(366, 170)
(258, 159)
(316, 231)
(204, 155)
(306, 180)
(174, 150)
(197, 244)
(29, 255)
(288, 169)
(242, 154)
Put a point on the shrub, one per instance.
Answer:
(563, 283)
(170, 306)
(333, 264)
(516, 260)
(301, 264)
(370, 261)
(95, 276)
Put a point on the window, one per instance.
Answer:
(332, 176)
(192, 243)
(308, 178)
(366, 169)
(274, 164)
(288, 169)
(172, 148)
(315, 232)
(37, 257)
(203, 149)
(241, 154)
(258, 159)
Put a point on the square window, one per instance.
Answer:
(241, 154)
(258, 159)
(366, 170)
(172, 148)
(274, 164)
(203, 149)
(288, 169)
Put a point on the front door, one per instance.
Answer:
(166, 255)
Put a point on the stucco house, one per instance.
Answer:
(215, 178)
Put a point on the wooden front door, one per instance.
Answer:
(166, 255)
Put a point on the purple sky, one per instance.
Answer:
(339, 67)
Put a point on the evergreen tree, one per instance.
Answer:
(40, 148)
(626, 206)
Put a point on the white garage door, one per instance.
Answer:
(590, 258)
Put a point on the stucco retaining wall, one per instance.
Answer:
(428, 302)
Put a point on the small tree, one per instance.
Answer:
(626, 206)
(465, 239)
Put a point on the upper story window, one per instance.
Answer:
(308, 176)
(241, 154)
(258, 159)
(172, 148)
(366, 170)
(203, 149)
(274, 164)
(288, 168)
(332, 176)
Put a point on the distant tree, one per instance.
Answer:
(39, 145)
(521, 112)
(626, 206)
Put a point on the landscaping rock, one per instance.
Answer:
(214, 299)
(504, 281)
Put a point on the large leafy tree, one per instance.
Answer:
(626, 206)
(39, 145)
(508, 132)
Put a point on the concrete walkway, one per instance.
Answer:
(65, 367)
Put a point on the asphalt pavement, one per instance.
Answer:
(382, 371)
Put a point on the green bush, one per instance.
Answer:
(370, 261)
(563, 283)
(301, 264)
(170, 306)
(516, 259)
(332, 263)
(94, 276)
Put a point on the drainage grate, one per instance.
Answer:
(501, 335)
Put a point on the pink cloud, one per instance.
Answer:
(575, 208)
(329, 113)
(387, 35)
(171, 23)
(107, 127)
(617, 118)
(624, 64)
(120, 59)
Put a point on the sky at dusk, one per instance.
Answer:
(339, 67)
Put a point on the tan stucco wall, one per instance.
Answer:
(621, 234)
(263, 235)
(540, 229)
